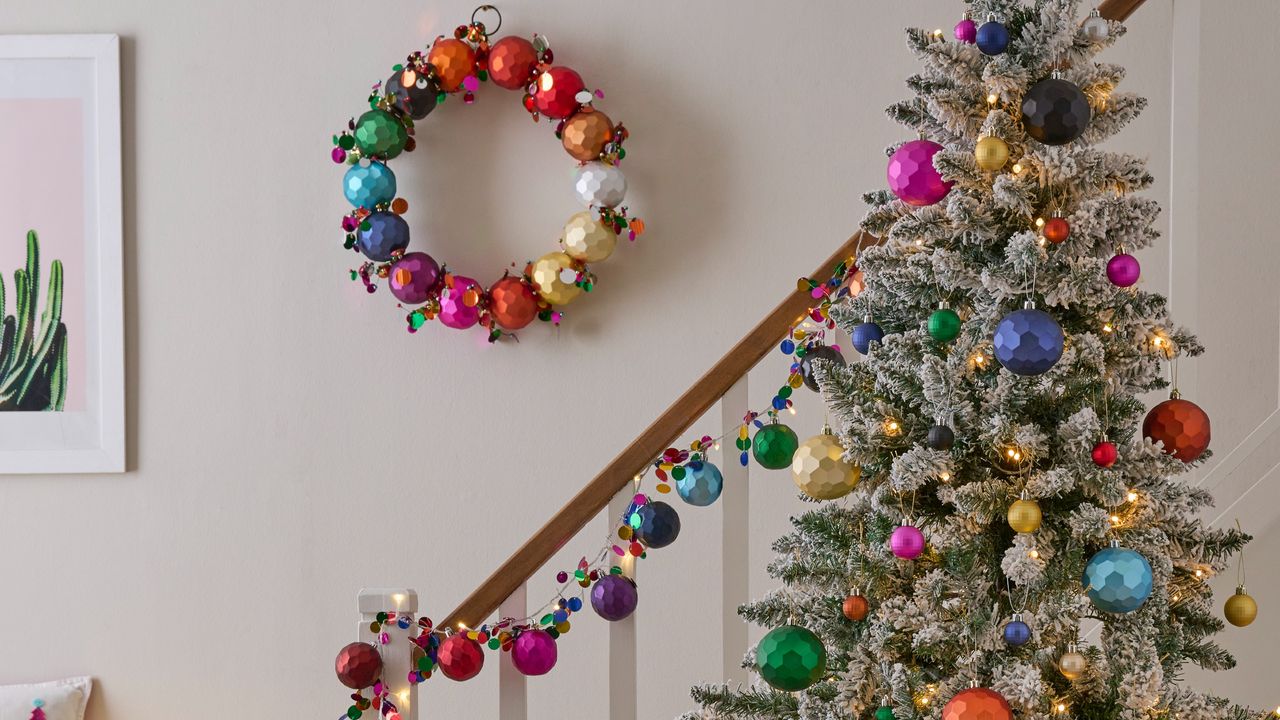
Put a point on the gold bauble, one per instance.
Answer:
(1024, 516)
(586, 133)
(588, 239)
(1240, 608)
(1072, 664)
(991, 153)
(553, 276)
(820, 471)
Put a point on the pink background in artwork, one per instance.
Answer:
(42, 189)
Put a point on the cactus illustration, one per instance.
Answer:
(33, 356)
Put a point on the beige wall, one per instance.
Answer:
(282, 425)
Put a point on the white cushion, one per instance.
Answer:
(63, 699)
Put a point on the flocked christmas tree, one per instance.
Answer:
(1020, 542)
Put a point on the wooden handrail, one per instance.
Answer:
(695, 401)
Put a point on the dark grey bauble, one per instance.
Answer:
(416, 101)
(817, 352)
(940, 437)
(1055, 111)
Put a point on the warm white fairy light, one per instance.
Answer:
(1115, 521)
(1133, 496)
(1017, 168)
(1033, 554)
(1039, 222)
(992, 98)
(944, 476)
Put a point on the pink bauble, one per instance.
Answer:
(412, 277)
(534, 652)
(967, 31)
(912, 176)
(556, 93)
(1123, 270)
(454, 311)
(907, 542)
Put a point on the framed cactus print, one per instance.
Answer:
(61, 312)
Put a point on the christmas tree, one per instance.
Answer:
(1020, 542)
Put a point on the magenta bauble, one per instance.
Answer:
(907, 542)
(454, 310)
(534, 652)
(412, 277)
(912, 176)
(967, 31)
(1123, 270)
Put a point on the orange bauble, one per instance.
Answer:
(1057, 230)
(511, 62)
(453, 60)
(855, 607)
(977, 704)
(512, 303)
(586, 133)
(1181, 425)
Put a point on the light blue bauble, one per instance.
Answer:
(701, 484)
(369, 185)
(1118, 580)
(386, 233)
(1028, 342)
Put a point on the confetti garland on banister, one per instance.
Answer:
(648, 523)
(376, 228)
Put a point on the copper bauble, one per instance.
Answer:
(1241, 609)
(358, 665)
(855, 607)
(1181, 425)
(1056, 230)
(586, 133)
(587, 238)
(1024, 516)
(453, 60)
(511, 62)
(512, 303)
(991, 153)
(553, 276)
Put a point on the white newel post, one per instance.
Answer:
(623, 663)
(397, 656)
(513, 693)
(735, 504)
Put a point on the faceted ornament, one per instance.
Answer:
(585, 134)
(368, 185)
(553, 276)
(1181, 425)
(659, 524)
(912, 176)
(977, 704)
(412, 277)
(588, 239)
(817, 352)
(820, 471)
(358, 665)
(415, 94)
(453, 60)
(380, 134)
(512, 303)
(1118, 580)
(864, 334)
(791, 658)
(534, 652)
(614, 597)
(992, 38)
(1028, 342)
(556, 94)
(701, 484)
(1055, 112)
(387, 232)
(1123, 270)
(454, 311)
(460, 658)
(511, 62)
(991, 153)
(600, 184)
(774, 445)
(907, 542)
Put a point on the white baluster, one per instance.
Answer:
(623, 664)
(398, 655)
(513, 694)
(735, 563)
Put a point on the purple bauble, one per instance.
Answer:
(534, 652)
(454, 312)
(967, 31)
(412, 277)
(912, 176)
(1123, 270)
(614, 597)
(907, 542)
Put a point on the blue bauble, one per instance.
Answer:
(659, 524)
(1118, 580)
(1017, 633)
(1028, 342)
(367, 186)
(993, 37)
(864, 334)
(387, 233)
(701, 484)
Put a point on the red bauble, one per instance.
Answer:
(557, 90)
(1181, 425)
(1056, 230)
(511, 62)
(358, 665)
(1104, 454)
(460, 658)
(977, 704)
(855, 607)
(453, 60)
(512, 303)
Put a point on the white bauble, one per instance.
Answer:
(1096, 27)
(600, 184)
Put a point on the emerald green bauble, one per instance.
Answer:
(380, 134)
(884, 712)
(773, 446)
(791, 658)
(944, 324)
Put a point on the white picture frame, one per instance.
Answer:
(89, 435)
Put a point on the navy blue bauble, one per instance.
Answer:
(1118, 580)
(1017, 633)
(659, 525)
(864, 334)
(993, 38)
(1028, 342)
(701, 484)
(387, 233)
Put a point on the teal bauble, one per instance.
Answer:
(701, 483)
(380, 134)
(773, 446)
(368, 185)
(944, 325)
(1118, 580)
(791, 658)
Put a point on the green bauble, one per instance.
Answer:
(944, 325)
(791, 658)
(773, 446)
(380, 134)
(884, 712)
